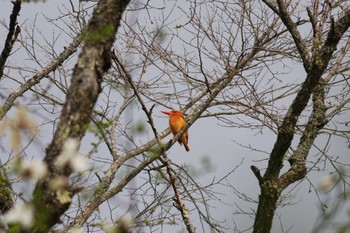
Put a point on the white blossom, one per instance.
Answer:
(60, 182)
(327, 183)
(76, 230)
(79, 164)
(69, 157)
(126, 218)
(22, 214)
(36, 169)
(69, 151)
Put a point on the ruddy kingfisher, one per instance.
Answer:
(176, 123)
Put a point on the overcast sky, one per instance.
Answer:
(206, 139)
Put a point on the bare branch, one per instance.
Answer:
(292, 28)
(93, 62)
(257, 173)
(319, 64)
(316, 122)
(54, 64)
(12, 35)
(179, 204)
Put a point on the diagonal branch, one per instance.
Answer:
(53, 65)
(93, 63)
(338, 62)
(319, 64)
(335, 33)
(216, 88)
(272, 185)
(137, 93)
(178, 200)
(281, 11)
(12, 35)
(166, 161)
(316, 122)
(101, 195)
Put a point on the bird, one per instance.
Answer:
(176, 123)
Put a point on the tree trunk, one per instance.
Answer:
(266, 208)
(272, 184)
(51, 202)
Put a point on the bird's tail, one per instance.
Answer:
(185, 144)
(186, 147)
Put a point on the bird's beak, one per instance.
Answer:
(167, 113)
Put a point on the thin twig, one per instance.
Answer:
(166, 161)
(56, 62)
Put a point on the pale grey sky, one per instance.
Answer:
(206, 138)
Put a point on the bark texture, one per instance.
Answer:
(272, 184)
(12, 35)
(51, 202)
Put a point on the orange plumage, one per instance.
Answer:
(176, 123)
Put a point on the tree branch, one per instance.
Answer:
(12, 35)
(92, 64)
(272, 186)
(293, 30)
(179, 203)
(335, 33)
(64, 55)
(316, 122)
(319, 64)
(257, 173)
